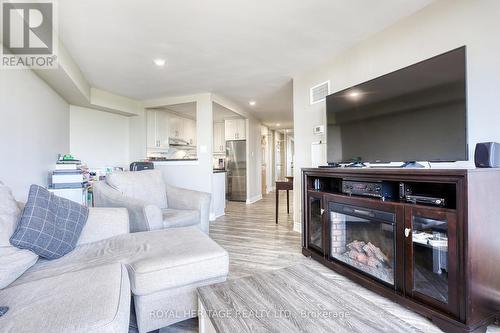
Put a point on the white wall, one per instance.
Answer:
(99, 138)
(267, 158)
(438, 28)
(34, 128)
(137, 137)
(290, 147)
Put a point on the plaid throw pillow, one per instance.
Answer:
(49, 225)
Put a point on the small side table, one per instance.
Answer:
(283, 186)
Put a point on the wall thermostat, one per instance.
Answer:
(320, 129)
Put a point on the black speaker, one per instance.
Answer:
(487, 155)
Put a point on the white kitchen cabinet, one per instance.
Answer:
(189, 131)
(151, 129)
(176, 126)
(162, 130)
(219, 138)
(235, 129)
(157, 130)
(241, 129)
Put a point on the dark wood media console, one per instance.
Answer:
(441, 261)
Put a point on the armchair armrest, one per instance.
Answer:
(104, 223)
(180, 198)
(143, 216)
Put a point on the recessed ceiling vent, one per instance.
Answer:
(319, 92)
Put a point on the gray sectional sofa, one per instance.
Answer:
(90, 289)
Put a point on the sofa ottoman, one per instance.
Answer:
(164, 286)
(164, 266)
(94, 300)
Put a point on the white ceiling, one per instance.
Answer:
(242, 50)
(221, 113)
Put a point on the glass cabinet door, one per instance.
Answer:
(431, 241)
(315, 226)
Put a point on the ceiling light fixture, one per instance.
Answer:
(278, 124)
(159, 62)
(354, 94)
(252, 103)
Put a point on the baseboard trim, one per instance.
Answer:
(254, 199)
(214, 217)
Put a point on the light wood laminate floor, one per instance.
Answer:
(255, 244)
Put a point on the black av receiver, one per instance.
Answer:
(407, 193)
(426, 200)
(380, 189)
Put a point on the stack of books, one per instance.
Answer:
(69, 180)
(67, 175)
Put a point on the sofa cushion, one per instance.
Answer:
(90, 300)
(147, 185)
(13, 261)
(180, 217)
(9, 214)
(104, 223)
(49, 225)
(156, 260)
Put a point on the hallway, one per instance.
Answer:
(252, 238)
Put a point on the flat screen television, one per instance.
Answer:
(417, 113)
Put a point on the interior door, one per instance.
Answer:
(432, 257)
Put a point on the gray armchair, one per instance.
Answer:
(151, 203)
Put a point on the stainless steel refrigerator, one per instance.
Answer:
(236, 166)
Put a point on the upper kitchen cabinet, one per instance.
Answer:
(219, 138)
(157, 130)
(235, 129)
(189, 131)
(171, 132)
(182, 128)
(176, 126)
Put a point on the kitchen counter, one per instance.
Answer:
(176, 162)
(218, 193)
(173, 159)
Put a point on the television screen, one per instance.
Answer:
(417, 113)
